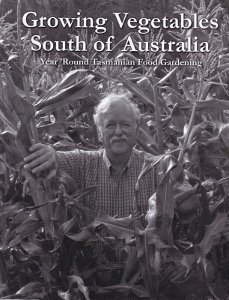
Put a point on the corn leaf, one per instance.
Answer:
(33, 290)
(23, 140)
(178, 118)
(212, 236)
(29, 229)
(145, 242)
(39, 196)
(60, 212)
(78, 195)
(165, 78)
(78, 206)
(13, 62)
(165, 198)
(68, 80)
(62, 231)
(210, 106)
(67, 181)
(49, 128)
(64, 93)
(33, 249)
(87, 105)
(9, 142)
(64, 98)
(11, 210)
(187, 84)
(122, 228)
(73, 279)
(24, 110)
(212, 233)
(137, 290)
(136, 91)
(179, 257)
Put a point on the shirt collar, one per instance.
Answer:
(109, 165)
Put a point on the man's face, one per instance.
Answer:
(118, 129)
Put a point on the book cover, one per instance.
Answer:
(58, 60)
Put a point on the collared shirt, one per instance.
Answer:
(115, 191)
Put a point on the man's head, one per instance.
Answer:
(117, 120)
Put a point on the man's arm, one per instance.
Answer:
(44, 158)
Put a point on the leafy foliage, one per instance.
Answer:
(46, 239)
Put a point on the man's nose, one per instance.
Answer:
(118, 130)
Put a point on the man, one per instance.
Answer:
(113, 169)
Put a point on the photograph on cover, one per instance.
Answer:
(114, 149)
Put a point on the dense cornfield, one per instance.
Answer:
(46, 245)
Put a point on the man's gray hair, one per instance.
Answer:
(107, 101)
